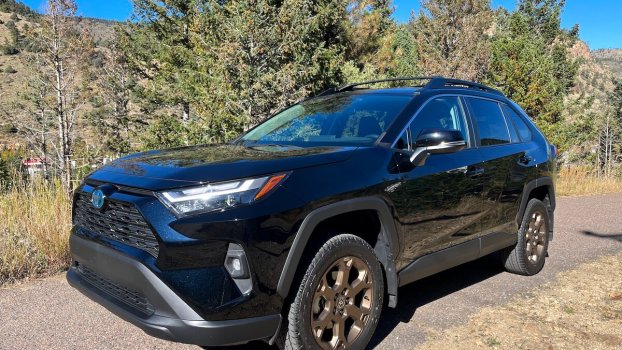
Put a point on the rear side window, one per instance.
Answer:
(523, 130)
(490, 122)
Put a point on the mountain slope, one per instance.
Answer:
(610, 58)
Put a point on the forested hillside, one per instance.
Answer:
(202, 71)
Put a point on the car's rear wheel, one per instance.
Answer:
(527, 257)
(339, 301)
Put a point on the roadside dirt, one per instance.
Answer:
(581, 309)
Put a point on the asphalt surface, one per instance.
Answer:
(48, 314)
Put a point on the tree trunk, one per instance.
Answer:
(61, 113)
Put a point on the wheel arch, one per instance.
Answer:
(539, 188)
(386, 243)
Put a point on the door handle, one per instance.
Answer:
(475, 172)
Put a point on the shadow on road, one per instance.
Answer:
(417, 294)
(427, 290)
(258, 345)
(615, 237)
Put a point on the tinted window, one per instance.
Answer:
(338, 119)
(490, 122)
(523, 130)
(440, 113)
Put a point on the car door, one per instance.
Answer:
(438, 204)
(505, 165)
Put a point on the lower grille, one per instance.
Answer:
(120, 221)
(128, 297)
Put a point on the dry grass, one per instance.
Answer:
(34, 228)
(582, 309)
(579, 181)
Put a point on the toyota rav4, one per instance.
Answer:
(301, 230)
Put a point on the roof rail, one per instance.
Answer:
(434, 82)
(441, 83)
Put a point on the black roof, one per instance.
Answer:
(435, 82)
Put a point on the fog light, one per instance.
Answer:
(237, 267)
(235, 263)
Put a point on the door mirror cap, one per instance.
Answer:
(436, 141)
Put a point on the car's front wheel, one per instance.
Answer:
(339, 301)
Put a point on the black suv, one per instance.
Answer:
(302, 229)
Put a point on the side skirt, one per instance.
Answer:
(453, 256)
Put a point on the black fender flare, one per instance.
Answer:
(530, 186)
(387, 246)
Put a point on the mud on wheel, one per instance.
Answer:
(339, 301)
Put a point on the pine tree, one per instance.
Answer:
(5, 177)
(610, 135)
(12, 43)
(402, 56)
(367, 25)
(160, 47)
(452, 37)
(267, 55)
(111, 114)
(529, 60)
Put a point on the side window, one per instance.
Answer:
(523, 130)
(490, 122)
(440, 113)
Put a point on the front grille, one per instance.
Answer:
(120, 221)
(128, 297)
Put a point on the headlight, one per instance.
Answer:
(219, 196)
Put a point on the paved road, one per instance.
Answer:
(48, 314)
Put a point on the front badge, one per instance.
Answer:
(98, 198)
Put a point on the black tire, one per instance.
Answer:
(529, 254)
(336, 253)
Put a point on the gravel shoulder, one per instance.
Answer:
(48, 314)
(581, 309)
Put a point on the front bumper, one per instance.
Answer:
(133, 292)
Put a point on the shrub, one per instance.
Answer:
(10, 70)
(9, 49)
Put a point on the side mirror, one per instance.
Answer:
(436, 141)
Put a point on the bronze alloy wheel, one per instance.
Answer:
(342, 303)
(535, 237)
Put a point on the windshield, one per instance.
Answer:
(345, 119)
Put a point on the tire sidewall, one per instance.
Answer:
(533, 206)
(347, 246)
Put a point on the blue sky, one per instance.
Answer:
(599, 20)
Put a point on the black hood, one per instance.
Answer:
(157, 170)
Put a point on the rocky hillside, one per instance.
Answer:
(610, 58)
(14, 73)
(594, 77)
(13, 76)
